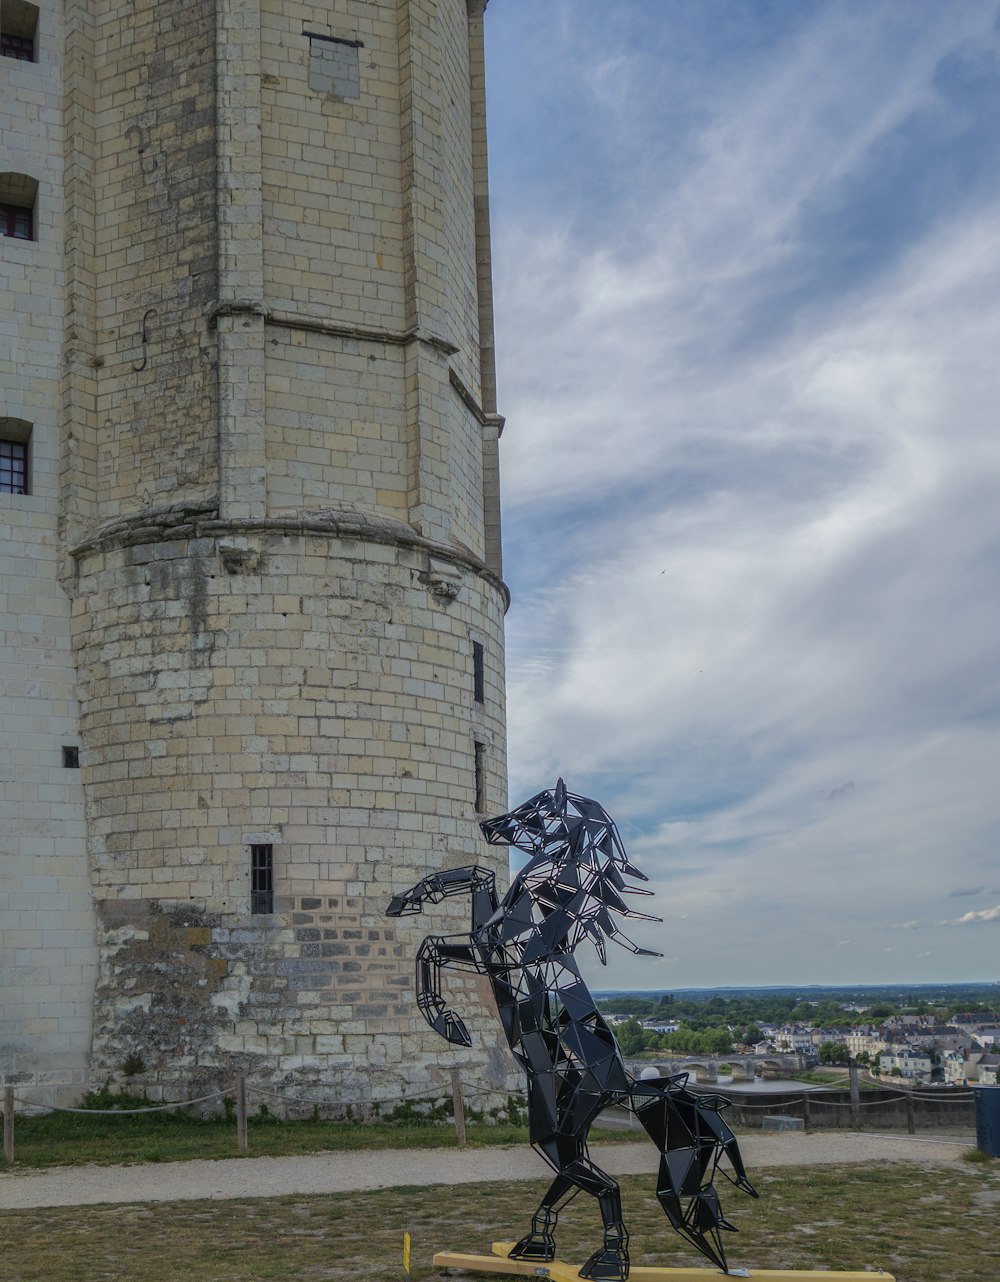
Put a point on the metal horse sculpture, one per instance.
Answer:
(573, 882)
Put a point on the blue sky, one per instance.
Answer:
(747, 277)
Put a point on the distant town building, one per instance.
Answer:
(910, 1064)
(796, 1038)
(989, 1069)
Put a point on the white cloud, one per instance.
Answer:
(754, 561)
(970, 918)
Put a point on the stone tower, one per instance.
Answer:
(251, 579)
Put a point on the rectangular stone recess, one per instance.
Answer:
(334, 66)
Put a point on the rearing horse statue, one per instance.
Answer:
(573, 882)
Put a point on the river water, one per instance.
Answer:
(762, 1086)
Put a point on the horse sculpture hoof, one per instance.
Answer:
(610, 1264)
(536, 1246)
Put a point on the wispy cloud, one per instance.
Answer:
(972, 918)
(749, 469)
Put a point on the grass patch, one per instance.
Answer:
(977, 1157)
(921, 1225)
(73, 1139)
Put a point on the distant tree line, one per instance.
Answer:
(714, 1024)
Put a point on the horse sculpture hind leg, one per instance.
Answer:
(577, 1173)
(692, 1138)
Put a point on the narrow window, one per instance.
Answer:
(18, 25)
(15, 456)
(13, 467)
(18, 195)
(17, 47)
(17, 222)
(71, 757)
(480, 777)
(262, 879)
(478, 672)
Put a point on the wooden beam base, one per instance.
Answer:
(559, 1271)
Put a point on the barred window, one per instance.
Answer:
(478, 672)
(18, 197)
(262, 879)
(480, 767)
(17, 221)
(18, 26)
(13, 467)
(19, 47)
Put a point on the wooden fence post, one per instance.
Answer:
(458, 1106)
(241, 1113)
(911, 1121)
(855, 1098)
(8, 1124)
(806, 1113)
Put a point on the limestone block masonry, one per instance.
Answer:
(256, 580)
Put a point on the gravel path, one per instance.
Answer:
(387, 1168)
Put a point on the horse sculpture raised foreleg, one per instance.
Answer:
(438, 951)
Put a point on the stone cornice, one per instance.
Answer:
(201, 520)
(364, 333)
(470, 402)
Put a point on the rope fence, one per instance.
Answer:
(121, 1112)
(240, 1091)
(804, 1103)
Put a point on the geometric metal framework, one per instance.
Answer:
(572, 889)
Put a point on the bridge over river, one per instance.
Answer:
(705, 1068)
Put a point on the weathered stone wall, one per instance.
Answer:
(257, 358)
(370, 278)
(332, 165)
(155, 253)
(312, 690)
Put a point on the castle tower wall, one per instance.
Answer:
(280, 526)
(48, 957)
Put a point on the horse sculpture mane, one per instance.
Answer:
(572, 889)
(576, 874)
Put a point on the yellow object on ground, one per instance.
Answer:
(559, 1271)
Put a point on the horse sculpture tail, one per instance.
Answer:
(693, 1139)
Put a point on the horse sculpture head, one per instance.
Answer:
(576, 872)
